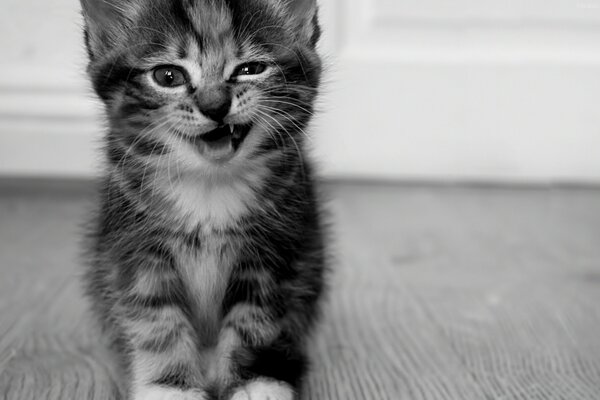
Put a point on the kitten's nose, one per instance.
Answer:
(214, 102)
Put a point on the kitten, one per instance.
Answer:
(207, 253)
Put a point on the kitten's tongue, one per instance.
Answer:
(221, 144)
(218, 150)
(216, 145)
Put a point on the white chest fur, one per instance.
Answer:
(204, 205)
(206, 272)
(214, 200)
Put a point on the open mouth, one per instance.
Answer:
(222, 143)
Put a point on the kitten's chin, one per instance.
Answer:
(221, 145)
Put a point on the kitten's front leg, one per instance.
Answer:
(164, 363)
(252, 362)
(163, 353)
(258, 357)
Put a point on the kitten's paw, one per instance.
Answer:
(264, 390)
(161, 393)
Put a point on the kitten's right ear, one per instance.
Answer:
(105, 22)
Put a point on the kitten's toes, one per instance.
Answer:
(264, 390)
(161, 393)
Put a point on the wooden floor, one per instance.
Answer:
(440, 293)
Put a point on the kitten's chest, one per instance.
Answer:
(213, 203)
(205, 269)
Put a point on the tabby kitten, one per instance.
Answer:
(208, 250)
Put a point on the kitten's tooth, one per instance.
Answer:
(232, 128)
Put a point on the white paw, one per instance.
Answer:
(160, 393)
(264, 390)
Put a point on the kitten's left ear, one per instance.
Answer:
(106, 22)
(304, 14)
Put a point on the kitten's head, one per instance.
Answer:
(203, 82)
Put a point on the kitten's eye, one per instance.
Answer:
(253, 68)
(169, 76)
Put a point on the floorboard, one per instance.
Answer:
(439, 293)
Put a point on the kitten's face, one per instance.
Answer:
(204, 82)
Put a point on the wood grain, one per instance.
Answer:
(439, 293)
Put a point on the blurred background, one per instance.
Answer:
(425, 90)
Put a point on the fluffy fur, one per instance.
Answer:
(207, 260)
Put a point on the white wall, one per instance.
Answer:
(480, 90)
(47, 115)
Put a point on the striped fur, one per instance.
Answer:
(206, 274)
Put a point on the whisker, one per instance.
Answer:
(156, 170)
(242, 32)
(145, 169)
(293, 52)
(299, 152)
(264, 121)
(117, 55)
(120, 166)
(268, 100)
(288, 117)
